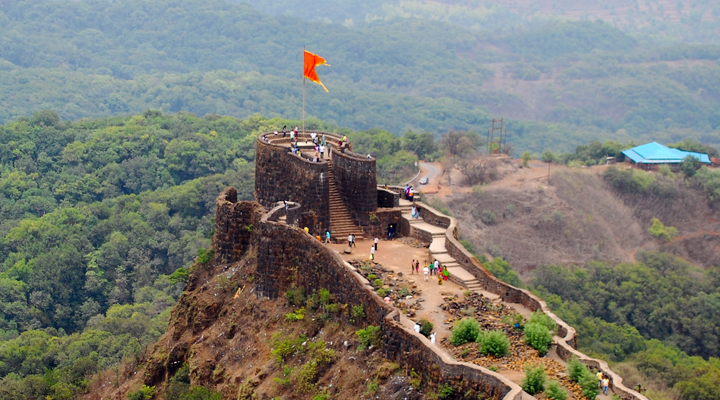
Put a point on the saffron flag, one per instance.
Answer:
(312, 61)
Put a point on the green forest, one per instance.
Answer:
(101, 221)
(558, 82)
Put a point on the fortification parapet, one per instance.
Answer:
(356, 178)
(233, 226)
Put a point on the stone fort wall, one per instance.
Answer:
(280, 175)
(356, 179)
(287, 255)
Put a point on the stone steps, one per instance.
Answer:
(341, 223)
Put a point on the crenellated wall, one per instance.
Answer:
(356, 179)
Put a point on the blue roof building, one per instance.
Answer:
(655, 154)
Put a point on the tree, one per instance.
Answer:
(689, 166)
(526, 157)
(456, 143)
(548, 156)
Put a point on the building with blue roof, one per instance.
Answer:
(652, 155)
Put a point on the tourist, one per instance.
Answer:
(354, 244)
(369, 157)
(445, 273)
(432, 338)
(411, 194)
(322, 151)
(413, 212)
(437, 266)
(344, 139)
(391, 232)
(599, 377)
(376, 242)
(412, 267)
(284, 130)
(387, 300)
(417, 267)
(417, 327)
(322, 141)
(605, 384)
(417, 213)
(327, 236)
(425, 271)
(405, 190)
(350, 240)
(432, 267)
(440, 279)
(372, 252)
(306, 229)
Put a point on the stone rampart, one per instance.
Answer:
(281, 175)
(565, 340)
(387, 198)
(233, 226)
(286, 255)
(356, 179)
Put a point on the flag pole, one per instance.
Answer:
(303, 122)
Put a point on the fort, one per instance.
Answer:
(339, 194)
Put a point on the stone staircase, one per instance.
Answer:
(341, 223)
(439, 252)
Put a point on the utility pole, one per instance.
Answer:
(491, 134)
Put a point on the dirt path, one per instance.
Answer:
(396, 256)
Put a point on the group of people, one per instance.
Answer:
(415, 212)
(603, 381)
(409, 192)
(430, 269)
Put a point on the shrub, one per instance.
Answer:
(445, 391)
(426, 327)
(539, 317)
(558, 216)
(555, 392)
(509, 210)
(404, 292)
(298, 315)
(538, 337)
(534, 381)
(325, 296)
(689, 166)
(358, 311)
(661, 231)
(495, 343)
(370, 336)
(589, 384)
(377, 282)
(575, 369)
(144, 393)
(372, 277)
(381, 292)
(204, 255)
(487, 217)
(526, 157)
(295, 296)
(465, 330)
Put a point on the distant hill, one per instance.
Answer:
(559, 82)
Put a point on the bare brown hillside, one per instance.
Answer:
(578, 218)
(227, 342)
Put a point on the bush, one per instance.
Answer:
(377, 282)
(465, 330)
(575, 369)
(370, 336)
(555, 392)
(381, 292)
(144, 393)
(295, 296)
(325, 296)
(539, 317)
(661, 231)
(534, 381)
(445, 391)
(426, 327)
(689, 166)
(358, 311)
(495, 343)
(298, 315)
(487, 217)
(538, 337)
(589, 384)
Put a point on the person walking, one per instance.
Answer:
(437, 266)
(605, 385)
(425, 271)
(445, 273)
(350, 240)
(413, 211)
(440, 279)
(372, 252)
(405, 191)
(599, 377)
(327, 236)
(322, 151)
(323, 141)
(391, 232)
(376, 242)
(412, 267)
(353, 240)
(417, 267)
(411, 194)
(417, 327)
(432, 338)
